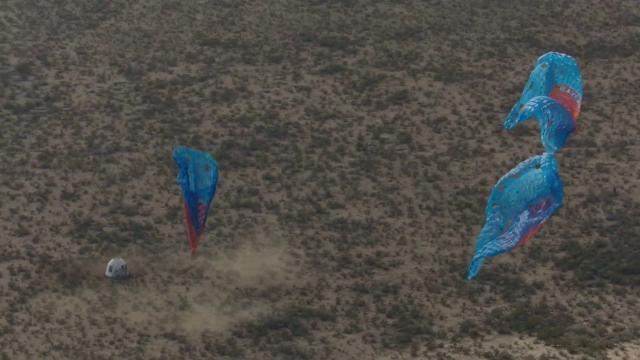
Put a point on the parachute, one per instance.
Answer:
(529, 194)
(519, 204)
(556, 123)
(557, 76)
(198, 179)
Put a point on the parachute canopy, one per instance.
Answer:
(556, 123)
(557, 76)
(519, 204)
(198, 178)
(529, 194)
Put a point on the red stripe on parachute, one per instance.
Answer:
(569, 98)
(192, 235)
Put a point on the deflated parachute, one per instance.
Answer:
(556, 123)
(519, 204)
(557, 76)
(529, 194)
(198, 178)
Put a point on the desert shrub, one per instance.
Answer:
(553, 324)
(409, 323)
(286, 324)
(613, 260)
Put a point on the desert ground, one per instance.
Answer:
(357, 141)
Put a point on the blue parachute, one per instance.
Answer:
(529, 194)
(519, 204)
(557, 76)
(198, 179)
(556, 123)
